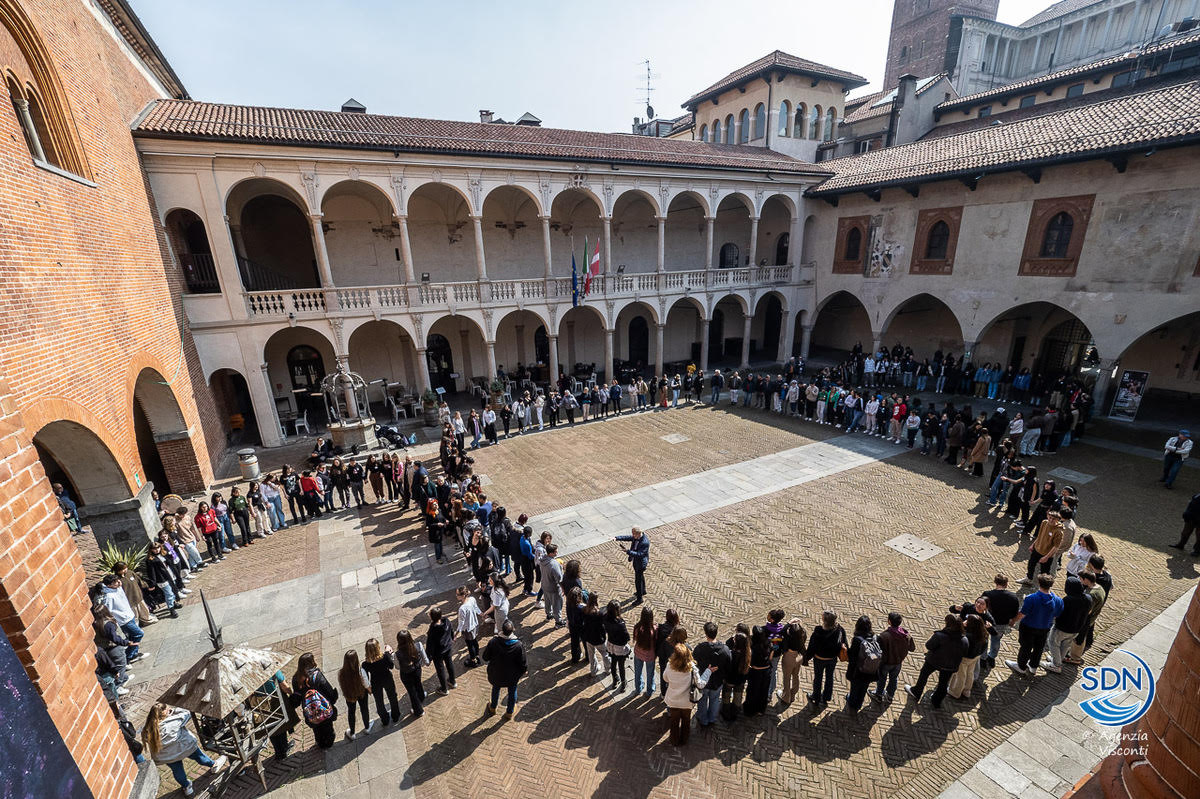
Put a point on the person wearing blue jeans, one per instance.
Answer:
(114, 598)
(896, 643)
(505, 656)
(168, 741)
(715, 655)
(1175, 452)
(824, 646)
(717, 383)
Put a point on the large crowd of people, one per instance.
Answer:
(721, 676)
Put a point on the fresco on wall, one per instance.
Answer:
(34, 761)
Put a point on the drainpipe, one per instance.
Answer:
(770, 105)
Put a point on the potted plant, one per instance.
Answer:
(430, 401)
(111, 555)
(497, 390)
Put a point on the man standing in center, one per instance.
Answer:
(713, 654)
(639, 557)
(1038, 612)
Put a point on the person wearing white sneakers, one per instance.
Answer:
(168, 741)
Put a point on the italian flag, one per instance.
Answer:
(593, 268)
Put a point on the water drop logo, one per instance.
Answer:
(1112, 682)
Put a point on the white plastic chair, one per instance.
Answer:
(302, 421)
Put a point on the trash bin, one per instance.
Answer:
(248, 462)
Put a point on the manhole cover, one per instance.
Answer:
(484, 480)
(675, 438)
(1071, 476)
(915, 548)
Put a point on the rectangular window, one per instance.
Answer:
(1126, 78)
(1075, 90)
(986, 111)
(863, 146)
(1028, 100)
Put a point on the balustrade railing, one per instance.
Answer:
(370, 298)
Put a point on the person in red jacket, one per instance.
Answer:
(207, 523)
(310, 490)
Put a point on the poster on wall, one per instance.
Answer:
(1129, 395)
(34, 761)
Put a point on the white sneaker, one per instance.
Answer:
(129, 675)
(219, 764)
(122, 692)
(188, 790)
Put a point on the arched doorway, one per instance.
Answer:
(297, 359)
(924, 323)
(162, 436)
(781, 249)
(766, 327)
(841, 322)
(231, 394)
(74, 456)
(682, 336)
(541, 348)
(272, 236)
(522, 346)
(1067, 349)
(360, 235)
(1170, 354)
(716, 335)
(1040, 336)
(581, 341)
(189, 240)
(441, 362)
(639, 342)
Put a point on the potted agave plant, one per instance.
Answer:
(430, 401)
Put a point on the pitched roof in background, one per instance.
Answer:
(1103, 65)
(777, 61)
(1057, 10)
(178, 119)
(880, 103)
(139, 40)
(1091, 127)
(682, 122)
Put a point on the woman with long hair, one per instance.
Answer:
(824, 647)
(436, 525)
(643, 651)
(575, 608)
(318, 699)
(379, 665)
(758, 683)
(977, 641)
(410, 657)
(594, 636)
(498, 594)
(229, 543)
(208, 526)
(1081, 553)
(353, 681)
(680, 675)
(168, 740)
(663, 646)
(375, 477)
(859, 681)
(617, 642)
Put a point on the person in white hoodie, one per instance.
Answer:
(118, 604)
(468, 624)
(871, 411)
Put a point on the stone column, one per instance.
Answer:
(662, 244)
(422, 371)
(265, 412)
(876, 341)
(27, 122)
(571, 352)
(708, 253)
(704, 346)
(968, 348)
(753, 241)
(787, 334)
(553, 358)
(1162, 744)
(607, 247)
(465, 370)
(746, 341)
(480, 262)
(323, 267)
(406, 249)
(805, 340)
(1103, 377)
(491, 360)
(546, 248)
(658, 353)
(608, 354)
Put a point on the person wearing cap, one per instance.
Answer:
(1176, 452)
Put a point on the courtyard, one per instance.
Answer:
(763, 512)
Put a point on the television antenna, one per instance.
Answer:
(649, 89)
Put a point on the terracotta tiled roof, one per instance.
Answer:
(872, 105)
(1057, 10)
(1093, 126)
(1103, 65)
(177, 119)
(778, 61)
(682, 123)
(120, 13)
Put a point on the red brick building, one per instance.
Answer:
(920, 35)
(96, 365)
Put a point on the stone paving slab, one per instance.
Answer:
(583, 526)
(1064, 744)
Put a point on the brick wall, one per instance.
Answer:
(917, 42)
(44, 612)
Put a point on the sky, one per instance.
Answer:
(573, 65)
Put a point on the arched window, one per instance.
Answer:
(730, 130)
(704, 133)
(830, 122)
(937, 242)
(36, 96)
(760, 121)
(801, 126)
(716, 136)
(1057, 239)
(814, 123)
(785, 117)
(781, 249)
(853, 249)
(729, 255)
(744, 126)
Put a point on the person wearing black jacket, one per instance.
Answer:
(378, 665)
(944, 652)
(795, 637)
(356, 475)
(158, 568)
(1191, 521)
(859, 680)
(1004, 606)
(309, 678)
(616, 636)
(711, 653)
(663, 646)
(1077, 604)
(439, 643)
(594, 636)
(824, 648)
(291, 486)
(505, 656)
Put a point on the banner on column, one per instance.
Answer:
(1129, 395)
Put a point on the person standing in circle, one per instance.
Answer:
(639, 557)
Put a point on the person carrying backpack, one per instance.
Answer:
(862, 667)
(316, 698)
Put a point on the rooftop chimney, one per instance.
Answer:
(353, 106)
(906, 89)
(485, 116)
